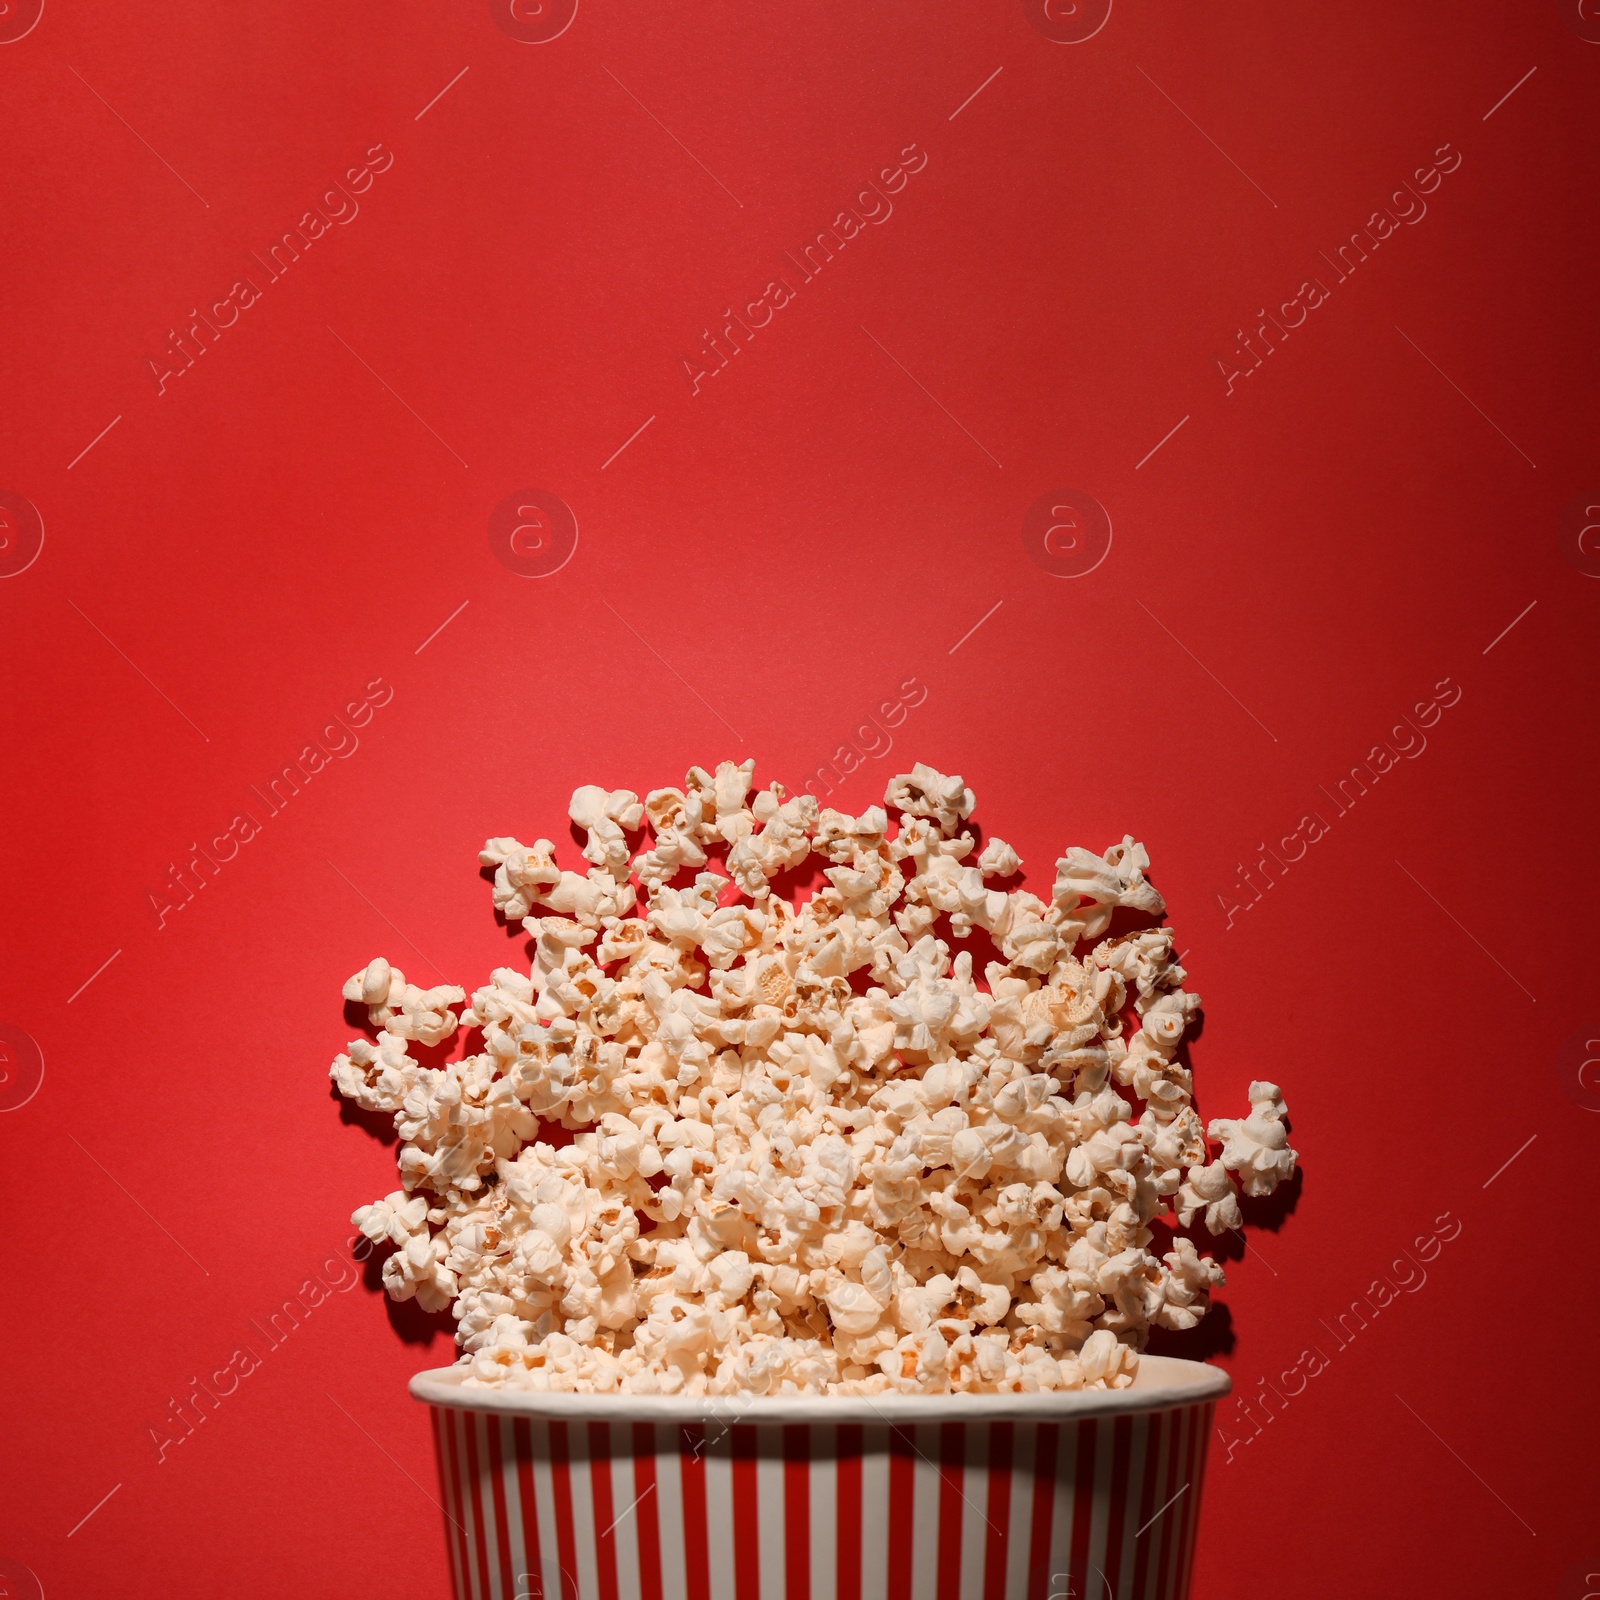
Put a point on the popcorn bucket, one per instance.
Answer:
(1083, 1495)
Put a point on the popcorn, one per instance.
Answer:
(999, 860)
(1209, 1189)
(520, 873)
(922, 792)
(397, 1218)
(1103, 882)
(807, 1148)
(1257, 1146)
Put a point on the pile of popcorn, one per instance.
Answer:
(807, 1148)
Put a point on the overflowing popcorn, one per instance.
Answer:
(721, 1142)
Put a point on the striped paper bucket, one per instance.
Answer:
(1081, 1496)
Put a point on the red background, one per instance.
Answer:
(239, 556)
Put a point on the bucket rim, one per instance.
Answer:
(1162, 1383)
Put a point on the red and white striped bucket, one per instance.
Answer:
(1077, 1496)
